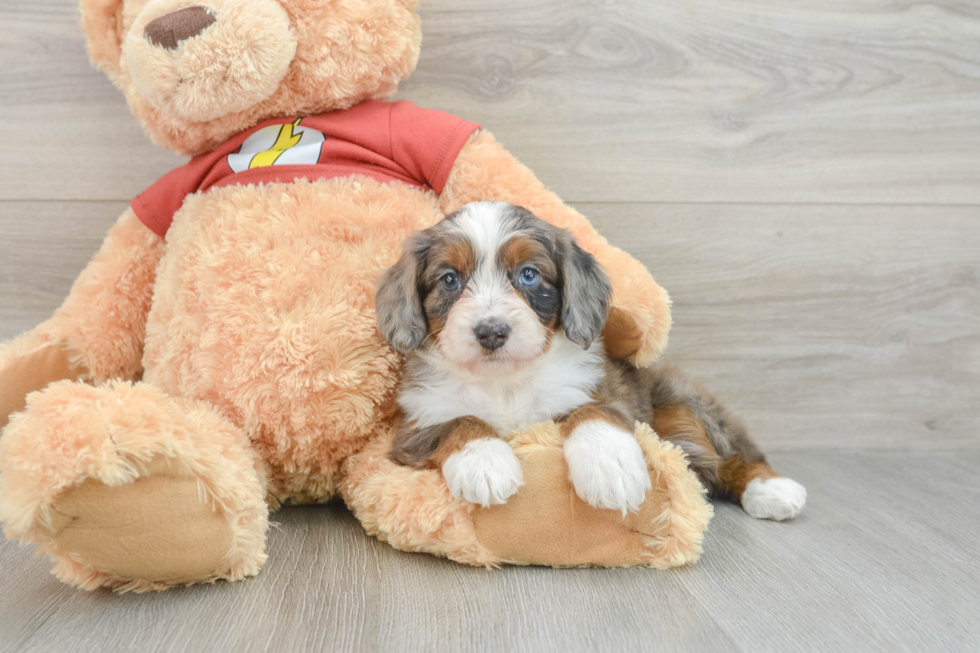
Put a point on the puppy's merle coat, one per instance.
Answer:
(500, 314)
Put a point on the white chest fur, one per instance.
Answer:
(560, 381)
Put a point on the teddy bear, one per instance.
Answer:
(219, 357)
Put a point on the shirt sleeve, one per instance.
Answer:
(426, 142)
(156, 206)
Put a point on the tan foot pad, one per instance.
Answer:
(157, 528)
(31, 371)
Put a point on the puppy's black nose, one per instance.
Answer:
(491, 335)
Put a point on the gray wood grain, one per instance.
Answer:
(45, 246)
(826, 326)
(882, 559)
(711, 100)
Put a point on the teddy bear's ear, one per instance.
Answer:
(102, 24)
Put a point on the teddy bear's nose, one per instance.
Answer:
(171, 29)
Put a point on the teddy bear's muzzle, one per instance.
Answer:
(201, 61)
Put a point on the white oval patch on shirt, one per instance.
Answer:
(289, 144)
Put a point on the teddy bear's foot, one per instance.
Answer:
(125, 487)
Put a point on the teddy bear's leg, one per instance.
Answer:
(97, 333)
(126, 487)
(640, 318)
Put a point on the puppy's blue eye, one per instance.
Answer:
(529, 277)
(450, 282)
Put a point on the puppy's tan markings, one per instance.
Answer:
(677, 423)
(595, 413)
(447, 255)
(516, 252)
(463, 430)
(436, 319)
(736, 474)
(459, 255)
(520, 251)
(431, 446)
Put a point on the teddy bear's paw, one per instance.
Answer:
(126, 487)
(161, 528)
(485, 472)
(606, 467)
(774, 498)
(29, 364)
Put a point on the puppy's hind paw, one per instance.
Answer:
(606, 467)
(485, 472)
(774, 498)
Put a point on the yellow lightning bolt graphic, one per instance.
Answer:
(284, 141)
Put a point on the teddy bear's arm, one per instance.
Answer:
(97, 333)
(640, 318)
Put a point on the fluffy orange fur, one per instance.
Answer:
(104, 324)
(287, 346)
(240, 356)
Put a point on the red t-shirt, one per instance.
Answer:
(388, 141)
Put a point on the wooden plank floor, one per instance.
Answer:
(803, 176)
(884, 558)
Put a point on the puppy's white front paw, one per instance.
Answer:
(485, 472)
(773, 498)
(606, 467)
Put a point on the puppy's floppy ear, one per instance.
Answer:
(401, 319)
(586, 294)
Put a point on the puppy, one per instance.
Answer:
(500, 314)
